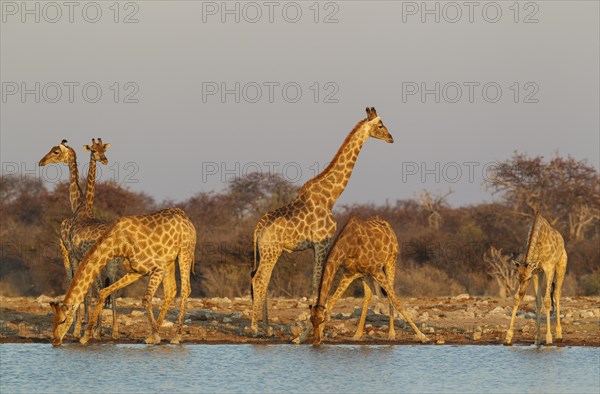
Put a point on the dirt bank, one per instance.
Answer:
(456, 320)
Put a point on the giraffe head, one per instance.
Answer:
(317, 318)
(97, 150)
(58, 154)
(63, 318)
(374, 126)
(525, 269)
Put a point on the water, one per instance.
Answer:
(30, 368)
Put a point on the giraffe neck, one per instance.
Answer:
(91, 184)
(330, 268)
(75, 193)
(99, 255)
(534, 236)
(331, 182)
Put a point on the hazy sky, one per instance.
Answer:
(502, 85)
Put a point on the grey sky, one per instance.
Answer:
(177, 137)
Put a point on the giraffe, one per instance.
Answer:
(364, 248)
(307, 222)
(545, 254)
(83, 219)
(149, 246)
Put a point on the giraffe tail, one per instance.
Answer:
(256, 262)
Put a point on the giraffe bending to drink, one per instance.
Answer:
(363, 248)
(545, 254)
(149, 246)
(307, 222)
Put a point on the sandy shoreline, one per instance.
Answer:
(457, 320)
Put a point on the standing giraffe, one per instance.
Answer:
(363, 248)
(149, 244)
(307, 222)
(545, 254)
(83, 222)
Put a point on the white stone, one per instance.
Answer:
(464, 296)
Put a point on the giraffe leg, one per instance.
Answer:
(112, 274)
(268, 258)
(170, 291)
(98, 328)
(538, 308)
(363, 316)
(390, 271)
(186, 259)
(66, 262)
(389, 289)
(547, 306)
(155, 280)
(560, 276)
(321, 249)
(518, 297)
(124, 281)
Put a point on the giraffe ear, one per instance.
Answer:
(375, 120)
(62, 146)
(53, 306)
(87, 148)
(106, 146)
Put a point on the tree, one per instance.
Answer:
(432, 204)
(565, 190)
(502, 270)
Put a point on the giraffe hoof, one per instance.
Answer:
(423, 338)
(176, 340)
(153, 339)
(357, 337)
(84, 340)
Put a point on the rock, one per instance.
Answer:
(497, 311)
(368, 326)
(137, 313)
(424, 316)
(303, 299)
(301, 305)
(167, 324)
(528, 298)
(371, 333)
(201, 314)
(302, 316)
(44, 299)
(228, 320)
(567, 320)
(460, 297)
(587, 314)
(529, 315)
(379, 308)
(274, 320)
(440, 341)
